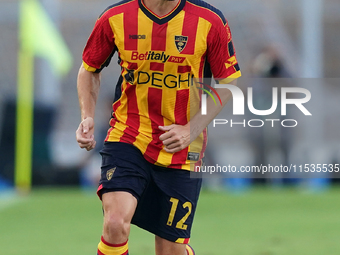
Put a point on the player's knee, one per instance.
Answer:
(115, 225)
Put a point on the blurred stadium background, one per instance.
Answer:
(295, 39)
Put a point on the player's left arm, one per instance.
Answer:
(224, 66)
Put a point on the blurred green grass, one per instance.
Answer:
(259, 222)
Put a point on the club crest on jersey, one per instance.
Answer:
(109, 173)
(181, 41)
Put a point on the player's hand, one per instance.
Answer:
(85, 134)
(176, 138)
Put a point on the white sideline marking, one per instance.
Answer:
(8, 199)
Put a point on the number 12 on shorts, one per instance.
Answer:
(174, 206)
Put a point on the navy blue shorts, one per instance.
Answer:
(167, 198)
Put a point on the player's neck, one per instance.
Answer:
(161, 7)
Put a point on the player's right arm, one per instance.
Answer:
(97, 55)
(88, 88)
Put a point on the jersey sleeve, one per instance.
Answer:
(100, 46)
(221, 54)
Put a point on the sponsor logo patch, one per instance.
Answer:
(193, 156)
(137, 37)
(154, 56)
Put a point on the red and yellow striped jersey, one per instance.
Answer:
(160, 57)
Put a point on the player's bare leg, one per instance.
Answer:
(165, 247)
(119, 208)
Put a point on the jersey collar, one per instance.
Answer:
(161, 20)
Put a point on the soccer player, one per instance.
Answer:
(157, 133)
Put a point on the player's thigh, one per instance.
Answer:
(124, 178)
(166, 247)
(119, 205)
